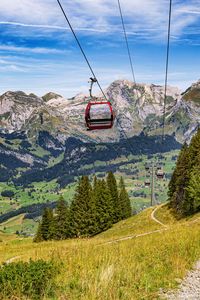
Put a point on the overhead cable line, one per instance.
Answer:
(126, 40)
(76, 38)
(166, 69)
(90, 67)
(128, 50)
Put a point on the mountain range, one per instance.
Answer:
(41, 136)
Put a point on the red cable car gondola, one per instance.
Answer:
(98, 114)
(160, 174)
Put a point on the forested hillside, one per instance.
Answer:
(94, 208)
(184, 186)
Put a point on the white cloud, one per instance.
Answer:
(31, 50)
(52, 27)
(35, 11)
(146, 18)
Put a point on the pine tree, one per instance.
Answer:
(178, 184)
(47, 229)
(194, 148)
(177, 172)
(112, 186)
(124, 200)
(95, 182)
(62, 221)
(181, 187)
(82, 210)
(38, 237)
(104, 209)
(193, 192)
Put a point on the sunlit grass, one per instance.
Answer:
(135, 225)
(131, 269)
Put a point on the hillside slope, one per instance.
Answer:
(154, 257)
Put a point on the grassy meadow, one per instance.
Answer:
(40, 192)
(105, 268)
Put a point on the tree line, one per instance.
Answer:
(31, 211)
(184, 186)
(94, 208)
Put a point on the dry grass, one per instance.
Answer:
(131, 269)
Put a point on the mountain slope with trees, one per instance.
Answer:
(31, 150)
(184, 186)
(94, 208)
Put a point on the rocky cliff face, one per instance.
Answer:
(139, 108)
(45, 138)
(192, 94)
(16, 108)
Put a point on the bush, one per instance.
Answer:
(32, 279)
(7, 193)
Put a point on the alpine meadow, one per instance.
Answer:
(99, 150)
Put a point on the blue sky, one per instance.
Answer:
(39, 54)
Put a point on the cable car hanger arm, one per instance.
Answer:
(92, 81)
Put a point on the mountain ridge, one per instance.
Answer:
(31, 150)
(139, 107)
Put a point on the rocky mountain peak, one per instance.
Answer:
(138, 106)
(193, 93)
(16, 108)
(50, 96)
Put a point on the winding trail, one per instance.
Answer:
(189, 288)
(154, 218)
(134, 236)
(10, 260)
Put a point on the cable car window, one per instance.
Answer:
(100, 112)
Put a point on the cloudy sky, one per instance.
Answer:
(39, 54)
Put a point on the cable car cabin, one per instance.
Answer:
(99, 115)
(147, 183)
(159, 167)
(160, 174)
(147, 167)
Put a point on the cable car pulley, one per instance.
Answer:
(98, 114)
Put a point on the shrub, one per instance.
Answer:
(32, 279)
(7, 193)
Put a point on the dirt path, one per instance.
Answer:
(189, 288)
(155, 219)
(152, 216)
(134, 236)
(10, 260)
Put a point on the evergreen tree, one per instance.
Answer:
(112, 186)
(62, 222)
(47, 229)
(124, 200)
(104, 209)
(177, 171)
(95, 182)
(194, 148)
(38, 237)
(178, 184)
(193, 192)
(183, 198)
(82, 210)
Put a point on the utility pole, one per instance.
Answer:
(154, 171)
(152, 185)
